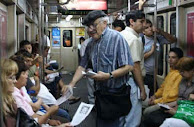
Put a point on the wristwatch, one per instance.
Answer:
(111, 76)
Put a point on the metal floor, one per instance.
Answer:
(81, 91)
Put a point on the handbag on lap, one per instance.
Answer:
(24, 120)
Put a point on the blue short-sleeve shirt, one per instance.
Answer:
(107, 54)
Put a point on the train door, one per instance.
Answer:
(69, 52)
(172, 30)
(161, 23)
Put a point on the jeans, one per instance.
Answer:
(63, 113)
(133, 119)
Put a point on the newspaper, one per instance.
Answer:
(82, 112)
(89, 73)
(65, 96)
(164, 106)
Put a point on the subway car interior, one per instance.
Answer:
(55, 32)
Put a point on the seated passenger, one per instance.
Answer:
(168, 91)
(186, 88)
(34, 84)
(8, 70)
(174, 122)
(22, 101)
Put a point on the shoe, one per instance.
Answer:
(74, 100)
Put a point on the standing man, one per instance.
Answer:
(134, 22)
(110, 56)
(162, 38)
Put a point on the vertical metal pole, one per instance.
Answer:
(155, 51)
(43, 40)
(40, 31)
(1, 101)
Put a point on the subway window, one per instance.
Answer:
(173, 24)
(67, 38)
(160, 25)
(160, 22)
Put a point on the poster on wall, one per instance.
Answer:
(80, 32)
(190, 34)
(56, 38)
(3, 33)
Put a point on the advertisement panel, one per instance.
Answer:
(190, 34)
(85, 5)
(56, 37)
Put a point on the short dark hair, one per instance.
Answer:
(149, 22)
(177, 51)
(23, 53)
(119, 23)
(23, 43)
(21, 65)
(136, 14)
(81, 38)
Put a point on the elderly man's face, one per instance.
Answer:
(95, 30)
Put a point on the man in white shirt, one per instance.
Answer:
(134, 22)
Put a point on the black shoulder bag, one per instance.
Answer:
(113, 103)
(24, 120)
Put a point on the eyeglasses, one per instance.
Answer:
(12, 77)
(92, 25)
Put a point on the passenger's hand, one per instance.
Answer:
(101, 76)
(155, 29)
(40, 59)
(54, 122)
(36, 78)
(191, 97)
(64, 89)
(143, 95)
(53, 109)
(141, 3)
(151, 100)
(171, 111)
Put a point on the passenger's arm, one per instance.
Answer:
(116, 73)
(168, 36)
(36, 87)
(77, 76)
(141, 3)
(139, 79)
(43, 119)
(36, 105)
(149, 53)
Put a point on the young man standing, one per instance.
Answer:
(162, 38)
(134, 22)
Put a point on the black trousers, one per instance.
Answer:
(155, 119)
(149, 80)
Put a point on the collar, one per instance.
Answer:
(16, 89)
(149, 38)
(105, 31)
(132, 30)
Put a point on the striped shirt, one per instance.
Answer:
(107, 54)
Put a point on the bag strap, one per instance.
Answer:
(18, 117)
